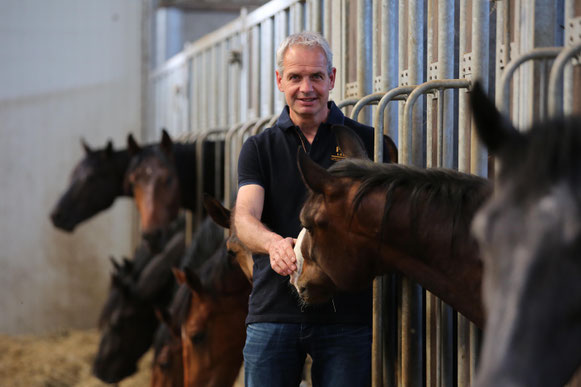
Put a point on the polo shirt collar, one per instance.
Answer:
(335, 117)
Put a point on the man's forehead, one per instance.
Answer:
(296, 58)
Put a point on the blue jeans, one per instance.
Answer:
(275, 353)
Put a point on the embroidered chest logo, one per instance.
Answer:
(338, 155)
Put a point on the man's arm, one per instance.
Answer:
(256, 236)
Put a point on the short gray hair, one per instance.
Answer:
(305, 39)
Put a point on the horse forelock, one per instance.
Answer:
(457, 193)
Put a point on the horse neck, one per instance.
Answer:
(438, 254)
(186, 165)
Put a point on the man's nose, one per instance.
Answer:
(306, 85)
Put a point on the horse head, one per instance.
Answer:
(322, 217)
(530, 238)
(153, 180)
(213, 330)
(128, 320)
(95, 183)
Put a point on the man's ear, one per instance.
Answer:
(332, 78)
(279, 81)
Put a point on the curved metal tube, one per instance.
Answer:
(423, 88)
(537, 53)
(397, 93)
(364, 102)
(556, 79)
(260, 124)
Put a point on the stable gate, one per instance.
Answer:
(389, 54)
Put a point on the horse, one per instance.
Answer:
(95, 183)
(213, 331)
(128, 320)
(163, 179)
(204, 312)
(363, 219)
(529, 233)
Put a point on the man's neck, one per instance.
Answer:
(309, 125)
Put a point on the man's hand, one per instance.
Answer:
(282, 256)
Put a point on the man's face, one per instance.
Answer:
(305, 82)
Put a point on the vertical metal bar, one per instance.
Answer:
(280, 32)
(389, 60)
(463, 121)
(568, 83)
(364, 56)
(267, 67)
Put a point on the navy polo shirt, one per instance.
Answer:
(269, 159)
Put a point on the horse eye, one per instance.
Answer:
(199, 338)
(231, 253)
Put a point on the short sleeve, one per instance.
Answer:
(249, 169)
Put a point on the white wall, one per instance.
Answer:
(68, 69)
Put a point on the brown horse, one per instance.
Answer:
(168, 367)
(364, 219)
(530, 236)
(213, 330)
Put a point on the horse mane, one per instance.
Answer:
(548, 154)
(458, 193)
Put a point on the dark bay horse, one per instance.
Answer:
(95, 183)
(128, 320)
(163, 179)
(364, 219)
(530, 237)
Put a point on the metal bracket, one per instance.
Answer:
(351, 90)
(466, 66)
(433, 71)
(404, 78)
(573, 36)
(377, 84)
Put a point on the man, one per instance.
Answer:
(280, 330)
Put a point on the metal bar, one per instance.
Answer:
(229, 167)
(556, 79)
(201, 138)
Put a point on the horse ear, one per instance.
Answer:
(116, 265)
(166, 142)
(349, 142)
(109, 148)
(193, 281)
(493, 129)
(163, 315)
(180, 275)
(86, 147)
(132, 145)
(219, 213)
(315, 177)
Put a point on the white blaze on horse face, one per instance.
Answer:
(294, 277)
